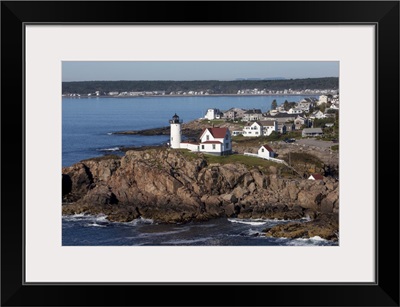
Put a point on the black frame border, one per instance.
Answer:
(16, 14)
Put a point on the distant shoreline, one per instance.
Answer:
(209, 95)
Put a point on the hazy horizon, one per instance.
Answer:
(75, 71)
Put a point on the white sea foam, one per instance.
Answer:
(313, 241)
(101, 218)
(317, 238)
(248, 222)
(109, 133)
(95, 225)
(137, 221)
(109, 149)
(74, 215)
(253, 233)
(84, 217)
(145, 221)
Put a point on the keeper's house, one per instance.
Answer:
(214, 141)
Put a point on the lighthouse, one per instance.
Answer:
(175, 133)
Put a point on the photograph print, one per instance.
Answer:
(204, 153)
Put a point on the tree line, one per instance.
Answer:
(211, 86)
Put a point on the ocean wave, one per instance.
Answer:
(259, 222)
(101, 218)
(85, 217)
(95, 225)
(109, 149)
(253, 233)
(313, 241)
(109, 133)
(255, 222)
(76, 217)
(139, 220)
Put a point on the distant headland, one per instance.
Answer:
(309, 86)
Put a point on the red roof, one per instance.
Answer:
(268, 148)
(218, 133)
(211, 142)
(318, 176)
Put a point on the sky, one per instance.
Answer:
(195, 70)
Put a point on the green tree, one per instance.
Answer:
(274, 104)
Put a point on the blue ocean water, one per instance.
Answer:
(87, 131)
(85, 230)
(88, 123)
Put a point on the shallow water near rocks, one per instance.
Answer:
(88, 230)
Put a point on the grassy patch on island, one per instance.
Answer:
(261, 140)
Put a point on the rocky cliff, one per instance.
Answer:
(173, 187)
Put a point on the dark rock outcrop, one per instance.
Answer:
(168, 186)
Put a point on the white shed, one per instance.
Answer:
(266, 152)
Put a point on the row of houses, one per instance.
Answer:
(257, 114)
(302, 108)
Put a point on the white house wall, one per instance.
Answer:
(264, 154)
(209, 148)
(191, 147)
(252, 131)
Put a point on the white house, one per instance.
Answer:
(318, 114)
(322, 99)
(268, 126)
(260, 128)
(213, 114)
(304, 106)
(266, 152)
(252, 129)
(295, 111)
(215, 141)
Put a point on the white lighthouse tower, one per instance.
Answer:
(175, 134)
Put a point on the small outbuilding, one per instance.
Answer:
(266, 152)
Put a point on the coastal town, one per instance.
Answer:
(206, 92)
(311, 123)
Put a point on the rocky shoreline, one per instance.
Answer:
(189, 130)
(170, 186)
